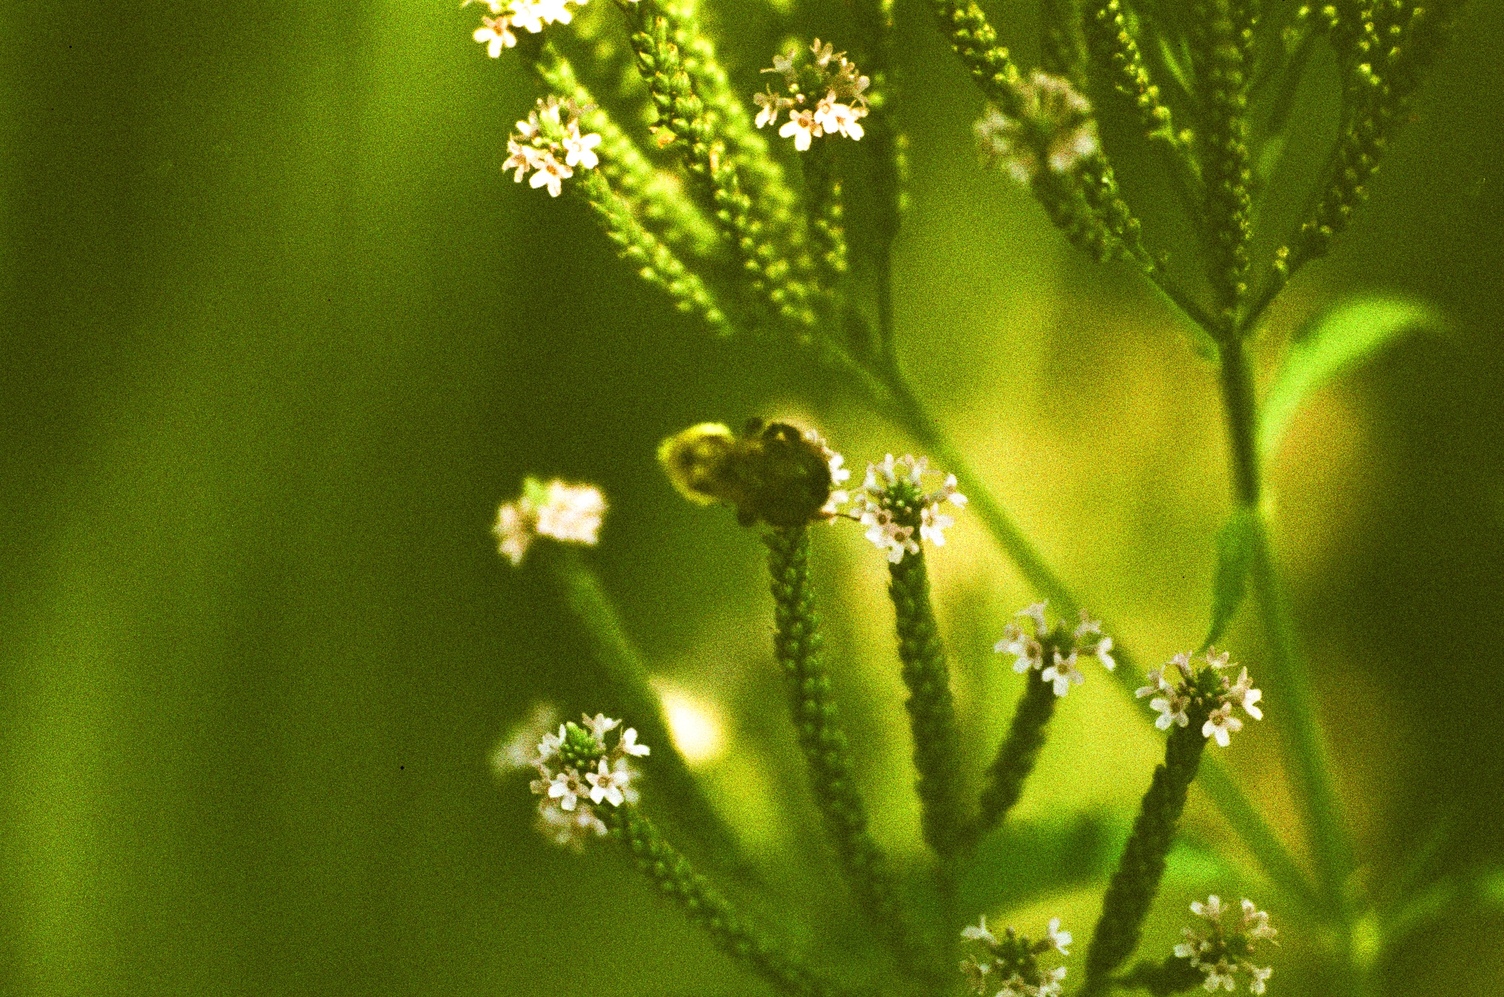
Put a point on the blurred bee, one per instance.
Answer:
(770, 472)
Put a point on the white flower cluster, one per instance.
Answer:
(495, 32)
(1011, 963)
(1205, 684)
(539, 141)
(1028, 649)
(571, 513)
(1220, 954)
(839, 112)
(1054, 122)
(839, 474)
(578, 773)
(895, 508)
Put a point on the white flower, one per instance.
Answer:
(554, 11)
(1050, 985)
(1209, 911)
(524, 744)
(551, 174)
(1027, 651)
(1255, 921)
(1070, 148)
(933, 524)
(495, 33)
(1172, 710)
(1063, 673)
(885, 533)
(520, 158)
(513, 530)
(976, 973)
(770, 104)
(835, 117)
(570, 830)
(566, 788)
(580, 149)
(838, 474)
(978, 932)
(549, 745)
(1260, 975)
(609, 783)
(1036, 613)
(1246, 696)
(599, 726)
(1221, 724)
(1220, 975)
(630, 746)
(1157, 684)
(528, 15)
(802, 127)
(571, 512)
(1059, 939)
(1101, 647)
(1215, 660)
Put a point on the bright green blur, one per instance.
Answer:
(276, 336)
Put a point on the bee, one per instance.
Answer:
(770, 472)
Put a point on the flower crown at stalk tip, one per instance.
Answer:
(1009, 966)
(772, 473)
(558, 510)
(895, 508)
(1207, 683)
(495, 32)
(1028, 649)
(540, 141)
(1055, 122)
(579, 773)
(839, 108)
(1223, 954)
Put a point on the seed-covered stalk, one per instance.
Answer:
(796, 645)
(673, 875)
(654, 196)
(1018, 754)
(654, 261)
(1224, 38)
(1195, 704)
(1136, 880)
(683, 117)
(827, 219)
(932, 711)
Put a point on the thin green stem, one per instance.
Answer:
(1303, 745)
(905, 409)
(622, 665)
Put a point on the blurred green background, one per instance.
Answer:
(278, 336)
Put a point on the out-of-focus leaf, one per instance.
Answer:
(1017, 862)
(1491, 888)
(1329, 344)
(1193, 867)
(1235, 543)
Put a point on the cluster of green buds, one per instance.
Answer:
(578, 773)
(1183, 688)
(1052, 650)
(1009, 966)
(550, 145)
(1053, 126)
(841, 90)
(558, 510)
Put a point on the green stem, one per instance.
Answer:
(671, 872)
(1303, 745)
(619, 659)
(1245, 820)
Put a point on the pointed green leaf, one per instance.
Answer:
(1235, 544)
(1329, 344)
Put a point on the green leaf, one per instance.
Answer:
(1331, 343)
(1235, 545)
